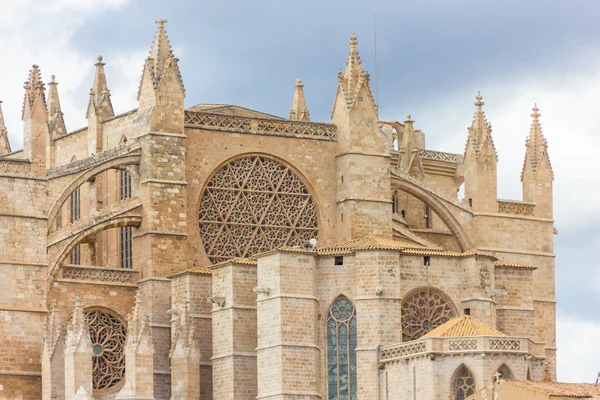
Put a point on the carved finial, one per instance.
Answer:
(536, 112)
(298, 82)
(536, 146)
(161, 22)
(408, 118)
(34, 89)
(78, 300)
(100, 102)
(479, 103)
(353, 41)
(299, 110)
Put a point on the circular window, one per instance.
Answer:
(252, 205)
(108, 336)
(422, 311)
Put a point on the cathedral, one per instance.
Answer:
(218, 252)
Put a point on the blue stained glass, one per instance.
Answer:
(341, 350)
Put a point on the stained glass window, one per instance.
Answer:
(463, 383)
(341, 350)
(424, 310)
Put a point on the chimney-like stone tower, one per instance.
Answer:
(362, 160)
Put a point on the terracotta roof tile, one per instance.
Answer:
(193, 271)
(513, 265)
(479, 253)
(464, 326)
(578, 390)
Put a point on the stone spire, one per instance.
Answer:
(34, 91)
(536, 146)
(184, 355)
(161, 56)
(354, 76)
(4, 143)
(53, 363)
(53, 328)
(299, 111)
(56, 119)
(77, 329)
(99, 94)
(480, 131)
(410, 160)
(78, 354)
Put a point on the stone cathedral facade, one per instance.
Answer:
(217, 252)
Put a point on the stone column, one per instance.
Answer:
(78, 354)
(185, 355)
(288, 356)
(234, 331)
(53, 357)
(139, 356)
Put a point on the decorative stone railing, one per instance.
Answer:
(313, 130)
(516, 208)
(99, 274)
(440, 156)
(461, 345)
(94, 160)
(15, 166)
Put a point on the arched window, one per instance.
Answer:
(505, 373)
(341, 350)
(463, 383)
(424, 309)
(528, 374)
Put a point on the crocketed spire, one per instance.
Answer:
(161, 56)
(55, 115)
(480, 130)
(4, 143)
(536, 146)
(34, 90)
(100, 101)
(354, 75)
(299, 111)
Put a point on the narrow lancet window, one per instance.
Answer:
(125, 184)
(75, 206)
(463, 383)
(341, 350)
(126, 247)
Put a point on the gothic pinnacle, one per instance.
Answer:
(4, 143)
(299, 110)
(34, 89)
(536, 146)
(99, 93)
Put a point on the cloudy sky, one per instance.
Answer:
(433, 57)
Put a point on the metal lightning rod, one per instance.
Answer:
(376, 66)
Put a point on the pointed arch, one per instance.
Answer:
(341, 349)
(123, 140)
(462, 383)
(505, 373)
(528, 373)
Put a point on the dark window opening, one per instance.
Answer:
(342, 217)
(126, 247)
(427, 217)
(339, 260)
(426, 260)
(342, 178)
(403, 213)
(125, 184)
(75, 206)
(75, 256)
(467, 311)
(470, 202)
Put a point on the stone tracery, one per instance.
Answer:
(108, 336)
(252, 205)
(424, 310)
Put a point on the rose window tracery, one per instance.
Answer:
(252, 205)
(108, 336)
(423, 311)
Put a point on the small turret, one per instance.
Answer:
(299, 111)
(35, 122)
(410, 160)
(56, 121)
(481, 162)
(4, 143)
(537, 174)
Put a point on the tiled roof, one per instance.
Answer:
(464, 326)
(577, 390)
(193, 271)
(243, 261)
(479, 253)
(368, 243)
(233, 110)
(513, 265)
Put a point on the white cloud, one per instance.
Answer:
(40, 32)
(568, 104)
(578, 349)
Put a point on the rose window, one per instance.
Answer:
(108, 336)
(252, 205)
(423, 311)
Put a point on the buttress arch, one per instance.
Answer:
(115, 222)
(455, 227)
(130, 159)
